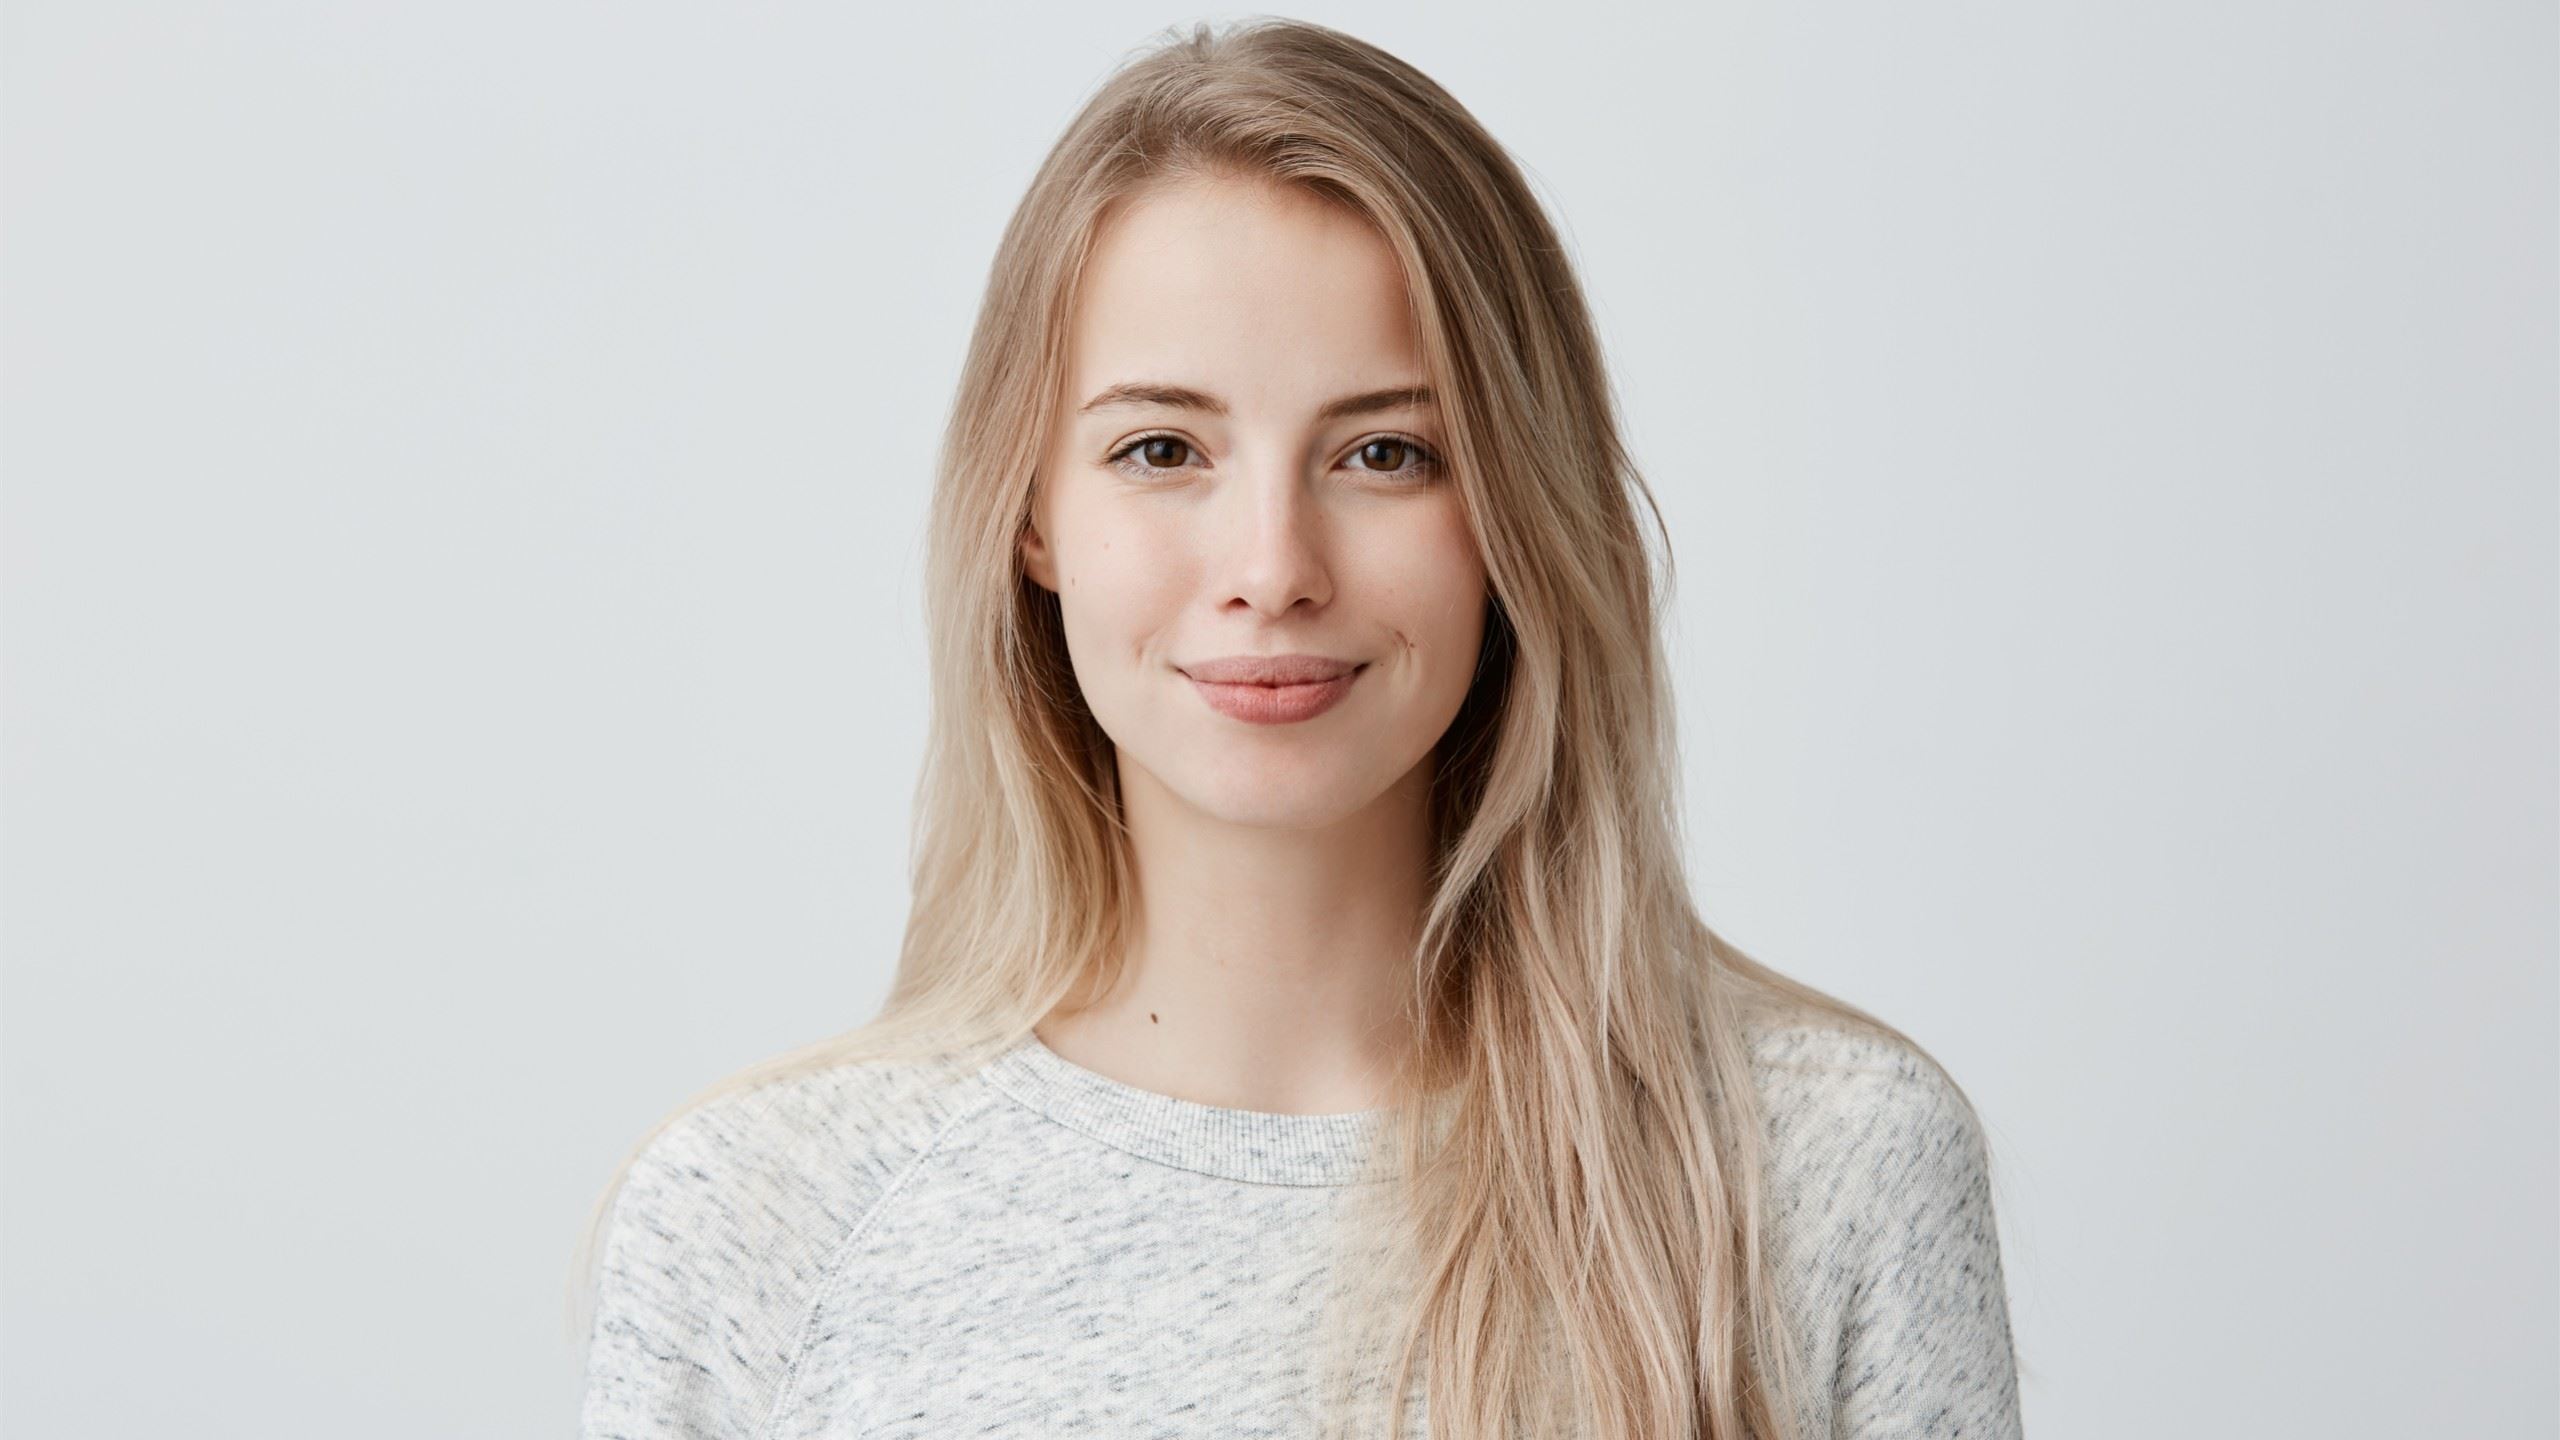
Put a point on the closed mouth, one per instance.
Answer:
(1270, 670)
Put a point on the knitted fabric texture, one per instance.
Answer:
(895, 1250)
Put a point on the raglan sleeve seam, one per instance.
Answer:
(838, 1261)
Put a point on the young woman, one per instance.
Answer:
(1302, 1026)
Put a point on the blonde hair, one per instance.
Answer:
(1580, 1131)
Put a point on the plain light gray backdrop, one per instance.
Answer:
(466, 466)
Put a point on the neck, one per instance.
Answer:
(1269, 965)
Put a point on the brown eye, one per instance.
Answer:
(1152, 455)
(1395, 455)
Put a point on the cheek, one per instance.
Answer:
(1447, 583)
(1120, 581)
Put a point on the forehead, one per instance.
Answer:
(1243, 288)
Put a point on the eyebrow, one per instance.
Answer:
(1179, 397)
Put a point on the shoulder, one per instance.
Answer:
(837, 1126)
(1867, 1133)
(1836, 1085)
(773, 1175)
(1879, 1186)
(726, 1226)
(1881, 1183)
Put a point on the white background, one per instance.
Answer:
(465, 472)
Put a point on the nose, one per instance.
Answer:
(1279, 552)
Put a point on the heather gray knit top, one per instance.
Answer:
(905, 1249)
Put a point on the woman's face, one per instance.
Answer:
(1233, 475)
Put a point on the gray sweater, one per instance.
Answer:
(903, 1249)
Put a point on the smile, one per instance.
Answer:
(1276, 704)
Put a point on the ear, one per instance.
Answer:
(1037, 562)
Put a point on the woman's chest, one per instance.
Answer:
(1139, 1303)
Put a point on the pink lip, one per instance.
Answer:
(1272, 689)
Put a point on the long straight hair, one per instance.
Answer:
(1579, 1131)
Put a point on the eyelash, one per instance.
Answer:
(1427, 460)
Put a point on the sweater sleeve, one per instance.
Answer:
(1925, 1346)
(723, 1236)
(657, 1365)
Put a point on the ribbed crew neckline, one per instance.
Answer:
(1261, 1146)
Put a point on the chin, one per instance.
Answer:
(1273, 802)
